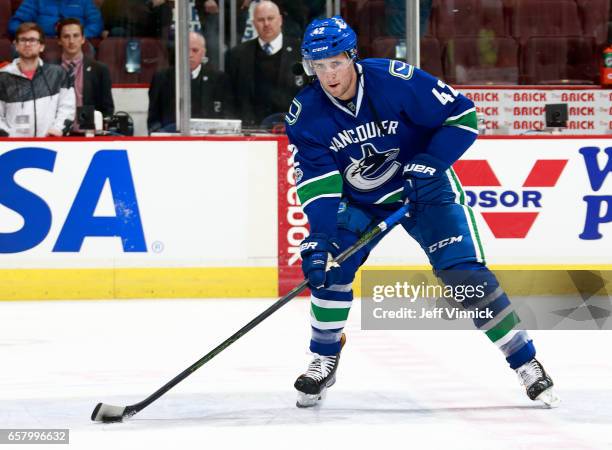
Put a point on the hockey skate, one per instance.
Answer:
(538, 384)
(320, 375)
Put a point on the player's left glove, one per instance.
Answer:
(425, 180)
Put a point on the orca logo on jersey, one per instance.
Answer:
(373, 169)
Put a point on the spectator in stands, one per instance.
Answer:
(48, 13)
(35, 98)
(261, 69)
(211, 95)
(293, 12)
(91, 79)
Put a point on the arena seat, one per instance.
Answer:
(431, 55)
(5, 16)
(594, 15)
(559, 60)
(6, 50)
(112, 52)
(468, 18)
(545, 18)
(15, 4)
(482, 60)
(370, 25)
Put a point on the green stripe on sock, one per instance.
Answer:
(328, 185)
(329, 315)
(503, 327)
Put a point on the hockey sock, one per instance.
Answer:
(502, 328)
(329, 310)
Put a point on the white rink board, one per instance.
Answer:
(554, 236)
(214, 204)
(202, 204)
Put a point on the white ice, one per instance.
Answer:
(395, 389)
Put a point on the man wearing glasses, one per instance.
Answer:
(36, 99)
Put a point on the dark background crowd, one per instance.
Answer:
(109, 43)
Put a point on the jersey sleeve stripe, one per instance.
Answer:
(308, 202)
(463, 127)
(466, 121)
(320, 177)
(329, 186)
(467, 111)
(391, 197)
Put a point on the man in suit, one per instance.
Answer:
(261, 70)
(90, 78)
(211, 95)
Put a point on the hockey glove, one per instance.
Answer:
(425, 181)
(317, 251)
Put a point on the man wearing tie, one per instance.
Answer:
(90, 78)
(261, 69)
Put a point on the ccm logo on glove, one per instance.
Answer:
(419, 168)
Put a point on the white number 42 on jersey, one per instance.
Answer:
(443, 96)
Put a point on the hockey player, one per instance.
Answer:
(368, 135)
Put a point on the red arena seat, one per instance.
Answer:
(559, 60)
(5, 16)
(6, 50)
(431, 56)
(594, 15)
(545, 18)
(15, 4)
(371, 24)
(391, 47)
(482, 60)
(112, 52)
(468, 18)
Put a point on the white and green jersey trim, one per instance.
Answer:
(327, 185)
(390, 197)
(467, 120)
(469, 214)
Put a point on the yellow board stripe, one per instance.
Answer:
(73, 284)
(218, 282)
(516, 280)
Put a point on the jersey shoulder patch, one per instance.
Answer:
(401, 69)
(294, 112)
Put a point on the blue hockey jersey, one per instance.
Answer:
(357, 149)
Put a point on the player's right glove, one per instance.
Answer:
(317, 251)
(425, 180)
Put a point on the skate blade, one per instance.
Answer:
(550, 398)
(309, 400)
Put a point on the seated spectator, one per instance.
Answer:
(261, 69)
(35, 98)
(49, 12)
(210, 91)
(91, 79)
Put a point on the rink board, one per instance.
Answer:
(140, 218)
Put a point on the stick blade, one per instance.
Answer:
(108, 413)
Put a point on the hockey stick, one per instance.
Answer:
(109, 413)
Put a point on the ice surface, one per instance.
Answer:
(401, 389)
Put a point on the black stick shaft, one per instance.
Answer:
(364, 240)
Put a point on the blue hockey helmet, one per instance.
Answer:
(325, 38)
